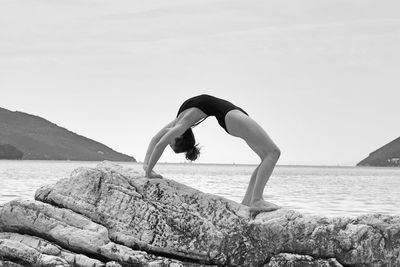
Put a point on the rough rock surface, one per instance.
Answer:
(110, 213)
(33, 250)
(157, 215)
(293, 260)
(68, 230)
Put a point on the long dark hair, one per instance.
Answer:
(186, 143)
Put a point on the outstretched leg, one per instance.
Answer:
(240, 125)
(266, 167)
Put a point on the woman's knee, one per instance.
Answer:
(273, 152)
(277, 152)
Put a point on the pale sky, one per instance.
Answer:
(321, 77)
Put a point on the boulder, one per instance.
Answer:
(33, 250)
(47, 230)
(111, 213)
(156, 215)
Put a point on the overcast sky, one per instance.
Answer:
(321, 77)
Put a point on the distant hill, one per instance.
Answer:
(41, 139)
(8, 151)
(388, 155)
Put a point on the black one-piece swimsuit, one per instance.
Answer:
(211, 106)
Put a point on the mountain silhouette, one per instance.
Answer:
(40, 139)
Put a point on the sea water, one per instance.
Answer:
(315, 190)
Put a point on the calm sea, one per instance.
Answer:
(328, 191)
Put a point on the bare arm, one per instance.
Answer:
(155, 140)
(172, 133)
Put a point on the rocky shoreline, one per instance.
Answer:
(113, 216)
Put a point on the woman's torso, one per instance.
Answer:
(209, 106)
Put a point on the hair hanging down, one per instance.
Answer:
(193, 153)
(186, 143)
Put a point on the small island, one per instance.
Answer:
(29, 137)
(386, 156)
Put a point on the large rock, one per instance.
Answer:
(112, 215)
(68, 230)
(157, 215)
(162, 216)
(32, 250)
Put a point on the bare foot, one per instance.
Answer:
(154, 175)
(262, 205)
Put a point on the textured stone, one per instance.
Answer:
(68, 230)
(26, 243)
(9, 264)
(16, 251)
(156, 215)
(366, 240)
(294, 260)
(163, 216)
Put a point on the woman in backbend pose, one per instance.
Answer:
(235, 121)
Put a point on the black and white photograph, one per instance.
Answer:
(261, 133)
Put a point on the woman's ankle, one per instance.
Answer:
(256, 200)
